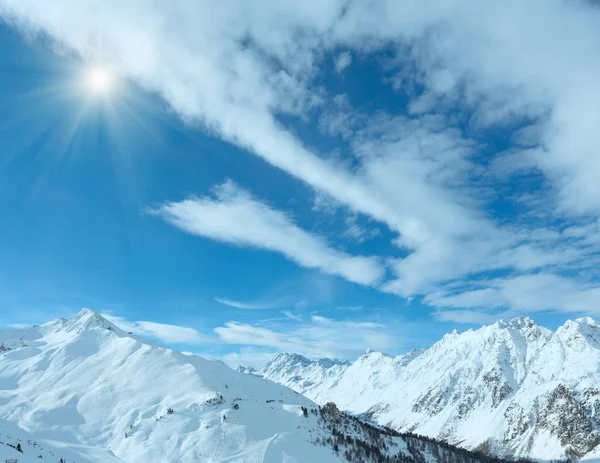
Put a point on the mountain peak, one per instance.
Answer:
(286, 358)
(586, 326)
(579, 323)
(372, 356)
(516, 323)
(587, 321)
(290, 358)
(85, 312)
(87, 319)
(405, 359)
(247, 370)
(375, 353)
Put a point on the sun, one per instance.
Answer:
(99, 80)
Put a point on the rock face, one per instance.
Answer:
(84, 391)
(512, 388)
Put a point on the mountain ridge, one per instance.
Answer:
(512, 388)
(84, 390)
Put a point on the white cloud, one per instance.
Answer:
(444, 260)
(207, 75)
(342, 61)
(530, 293)
(321, 337)
(244, 305)
(235, 68)
(235, 217)
(359, 233)
(291, 316)
(174, 334)
(504, 59)
(18, 326)
(468, 316)
(320, 319)
(248, 356)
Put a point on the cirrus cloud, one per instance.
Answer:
(319, 337)
(174, 334)
(235, 217)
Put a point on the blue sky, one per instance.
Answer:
(320, 177)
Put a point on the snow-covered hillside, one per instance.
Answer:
(87, 392)
(512, 388)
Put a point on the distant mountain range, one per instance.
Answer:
(511, 389)
(84, 391)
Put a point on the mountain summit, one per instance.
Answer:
(513, 388)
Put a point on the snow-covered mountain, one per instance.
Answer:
(303, 375)
(84, 391)
(512, 388)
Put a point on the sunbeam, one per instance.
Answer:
(100, 80)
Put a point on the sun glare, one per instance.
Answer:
(99, 80)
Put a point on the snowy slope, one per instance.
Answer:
(83, 390)
(512, 388)
(36, 451)
(85, 381)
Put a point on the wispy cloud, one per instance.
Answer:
(531, 293)
(469, 316)
(342, 61)
(234, 216)
(173, 334)
(320, 336)
(18, 326)
(291, 316)
(244, 305)
(248, 356)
